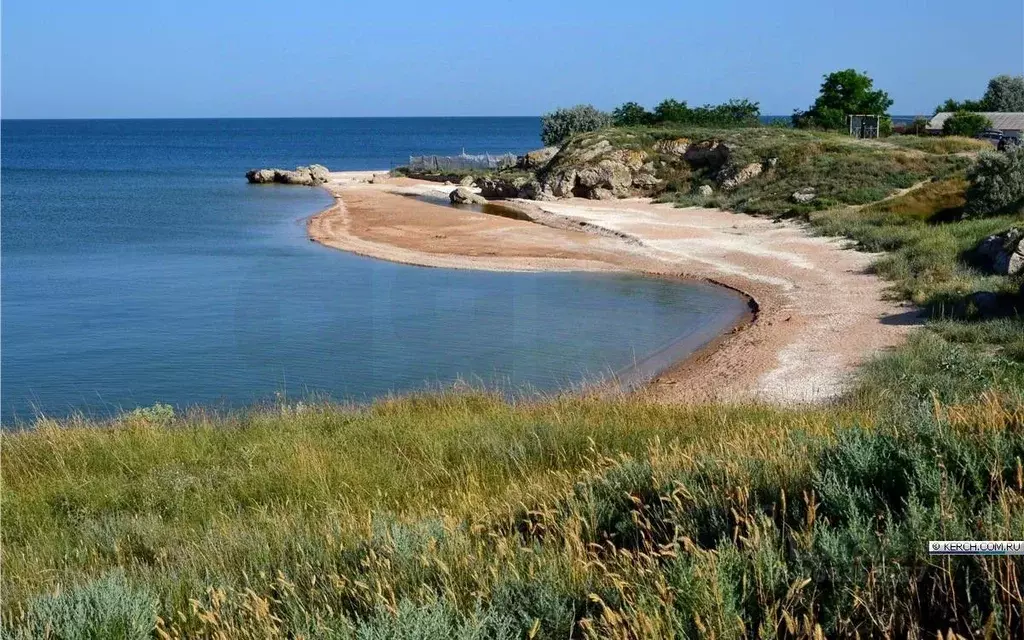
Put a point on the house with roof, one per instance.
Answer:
(1010, 124)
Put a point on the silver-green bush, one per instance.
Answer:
(996, 183)
(557, 126)
(104, 608)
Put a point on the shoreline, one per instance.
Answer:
(778, 351)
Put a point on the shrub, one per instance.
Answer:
(965, 123)
(105, 608)
(996, 183)
(561, 124)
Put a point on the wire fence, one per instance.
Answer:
(461, 161)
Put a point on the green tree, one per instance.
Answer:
(671, 110)
(1004, 93)
(559, 125)
(952, 106)
(965, 123)
(843, 93)
(631, 114)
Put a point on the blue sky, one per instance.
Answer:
(108, 59)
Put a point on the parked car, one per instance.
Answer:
(992, 136)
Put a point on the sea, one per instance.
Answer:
(137, 266)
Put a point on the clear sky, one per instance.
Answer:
(157, 58)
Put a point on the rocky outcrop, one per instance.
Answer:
(734, 177)
(463, 195)
(675, 147)
(495, 188)
(312, 175)
(563, 183)
(537, 158)
(467, 181)
(709, 153)
(595, 169)
(501, 188)
(1002, 253)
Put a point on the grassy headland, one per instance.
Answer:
(462, 515)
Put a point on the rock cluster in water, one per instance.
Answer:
(312, 175)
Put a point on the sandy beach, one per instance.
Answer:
(819, 312)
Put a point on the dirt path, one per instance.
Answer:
(820, 312)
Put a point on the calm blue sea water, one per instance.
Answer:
(138, 266)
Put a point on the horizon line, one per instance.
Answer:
(112, 118)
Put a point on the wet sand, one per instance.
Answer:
(820, 313)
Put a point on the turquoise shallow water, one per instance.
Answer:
(138, 266)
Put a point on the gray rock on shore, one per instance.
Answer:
(462, 195)
(314, 174)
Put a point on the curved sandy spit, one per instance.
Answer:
(820, 313)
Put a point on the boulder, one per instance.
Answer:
(307, 176)
(645, 181)
(467, 181)
(709, 153)
(463, 195)
(494, 188)
(675, 147)
(705, 191)
(610, 175)
(805, 195)
(601, 194)
(735, 177)
(1002, 253)
(537, 158)
(534, 190)
(319, 173)
(260, 176)
(562, 184)
(632, 159)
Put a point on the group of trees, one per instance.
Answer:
(842, 93)
(558, 125)
(1004, 93)
(730, 114)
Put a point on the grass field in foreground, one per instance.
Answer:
(460, 515)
